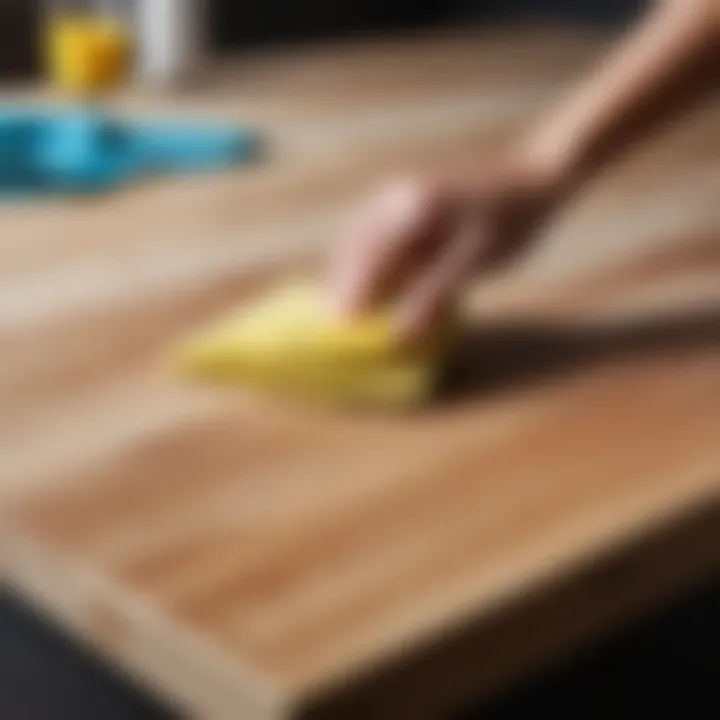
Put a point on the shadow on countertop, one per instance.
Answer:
(492, 359)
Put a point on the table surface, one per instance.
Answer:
(243, 556)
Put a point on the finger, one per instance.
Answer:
(379, 251)
(438, 287)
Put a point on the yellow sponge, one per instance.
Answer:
(288, 343)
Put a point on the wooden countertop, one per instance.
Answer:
(248, 559)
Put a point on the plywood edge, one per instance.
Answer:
(168, 661)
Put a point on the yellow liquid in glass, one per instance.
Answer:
(86, 55)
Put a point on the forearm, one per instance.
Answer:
(653, 75)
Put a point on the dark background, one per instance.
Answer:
(234, 24)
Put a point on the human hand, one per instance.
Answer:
(421, 241)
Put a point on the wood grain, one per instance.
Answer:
(251, 559)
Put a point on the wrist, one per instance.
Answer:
(555, 161)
